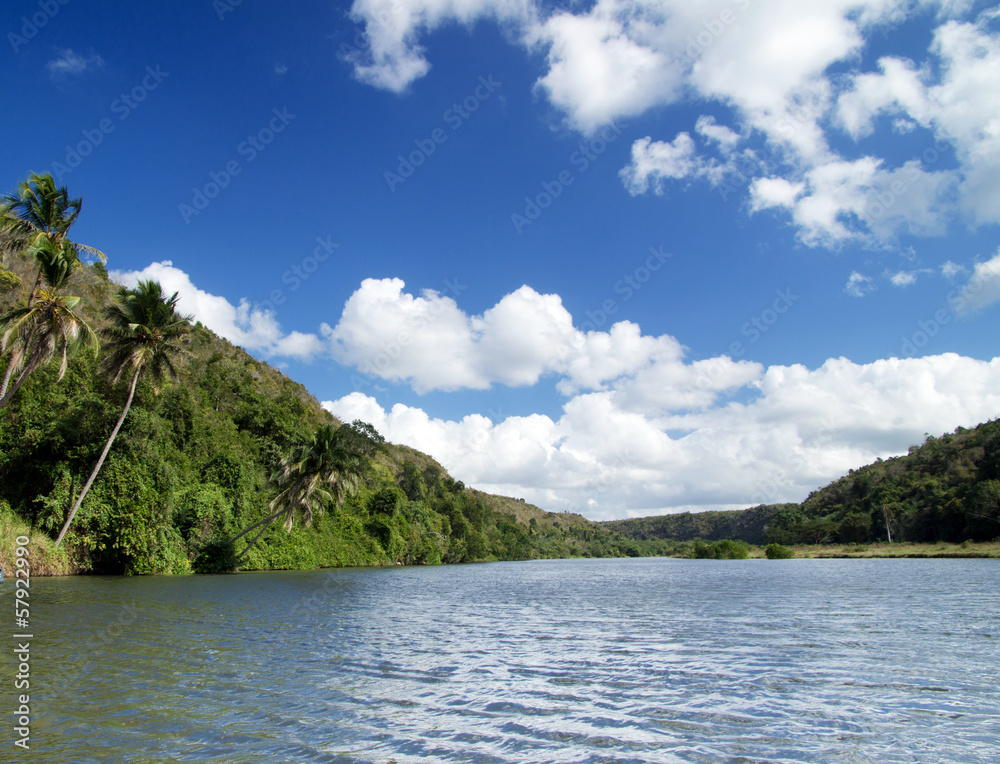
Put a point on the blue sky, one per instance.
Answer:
(622, 258)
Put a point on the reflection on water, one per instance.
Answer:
(565, 661)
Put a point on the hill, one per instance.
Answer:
(191, 467)
(947, 489)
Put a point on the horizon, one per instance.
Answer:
(620, 259)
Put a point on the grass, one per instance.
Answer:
(43, 557)
(941, 549)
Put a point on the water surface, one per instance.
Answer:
(640, 660)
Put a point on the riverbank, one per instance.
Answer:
(47, 560)
(967, 549)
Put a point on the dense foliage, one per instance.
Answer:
(727, 549)
(947, 489)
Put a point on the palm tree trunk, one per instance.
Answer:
(35, 288)
(100, 462)
(266, 522)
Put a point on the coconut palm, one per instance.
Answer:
(144, 334)
(47, 327)
(321, 471)
(39, 214)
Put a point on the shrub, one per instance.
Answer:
(721, 550)
(778, 552)
(218, 555)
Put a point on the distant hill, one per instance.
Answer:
(947, 489)
(748, 525)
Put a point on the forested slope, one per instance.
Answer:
(947, 489)
(193, 462)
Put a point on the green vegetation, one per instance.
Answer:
(727, 549)
(778, 552)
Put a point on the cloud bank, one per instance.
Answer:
(644, 428)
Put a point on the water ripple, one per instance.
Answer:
(585, 661)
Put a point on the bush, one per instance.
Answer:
(216, 556)
(721, 550)
(778, 552)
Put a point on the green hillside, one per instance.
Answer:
(193, 466)
(947, 489)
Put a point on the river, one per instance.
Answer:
(602, 661)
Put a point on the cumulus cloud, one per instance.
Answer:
(604, 459)
(426, 341)
(243, 325)
(654, 162)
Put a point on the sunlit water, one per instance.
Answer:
(567, 661)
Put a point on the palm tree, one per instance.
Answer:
(39, 214)
(144, 333)
(34, 334)
(323, 470)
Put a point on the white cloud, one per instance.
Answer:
(604, 459)
(903, 278)
(607, 63)
(982, 288)
(395, 58)
(858, 285)
(71, 64)
(950, 270)
(243, 325)
(428, 343)
(774, 192)
(653, 162)
(720, 134)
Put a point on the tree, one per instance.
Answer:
(144, 334)
(321, 471)
(38, 215)
(36, 333)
